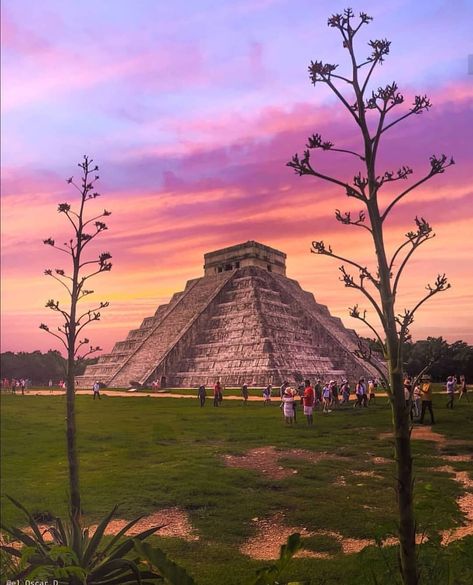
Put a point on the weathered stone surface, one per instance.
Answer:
(247, 322)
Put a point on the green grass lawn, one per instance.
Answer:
(146, 454)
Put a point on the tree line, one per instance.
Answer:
(445, 359)
(37, 366)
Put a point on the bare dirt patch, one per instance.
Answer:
(367, 474)
(464, 502)
(175, 523)
(426, 433)
(271, 533)
(458, 458)
(381, 460)
(266, 460)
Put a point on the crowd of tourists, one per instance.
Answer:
(330, 395)
(16, 385)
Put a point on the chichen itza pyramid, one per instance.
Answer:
(243, 321)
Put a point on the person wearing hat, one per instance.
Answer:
(96, 389)
(345, 390)
(450, 385)
(426, 392)
(288, 405)
(326, 396)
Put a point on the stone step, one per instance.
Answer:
(190, 303)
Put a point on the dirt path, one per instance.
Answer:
(128, 394)
(141, 394)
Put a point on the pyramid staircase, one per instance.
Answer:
(245, 325)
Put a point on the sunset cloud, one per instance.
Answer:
(192, 116)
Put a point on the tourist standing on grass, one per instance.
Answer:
(297, 394)
(326, 397)
(426, 391)
(267, 395)
(335, 392)
(282, 389)
(364, 396)
(288, 406)
(309, 399)
(96, 389)
(218, 393)
(202, 394)
(371, 391)
(345, 390)
(417, 400)
(359, 392)
(450, 385)
(408, 397)
(318, 392)
(463, 389)
(244, 393)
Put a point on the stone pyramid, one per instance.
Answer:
(243, 321)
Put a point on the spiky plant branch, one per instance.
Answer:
(84, 231)
(375, 112)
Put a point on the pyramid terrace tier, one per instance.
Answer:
(248, 324)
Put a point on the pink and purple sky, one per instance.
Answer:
(192, 109)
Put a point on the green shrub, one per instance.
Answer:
(73, 556)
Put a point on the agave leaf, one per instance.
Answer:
(175, 574)
(31, 520)
(122, 532)
(11, 550)
(125, 547)
(61, 533)
(91, 548)
(122, 566)
(76, 538)
(56, 536)
(22, 536)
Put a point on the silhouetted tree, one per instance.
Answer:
(84, 231)
(372, 112)
(447, 358)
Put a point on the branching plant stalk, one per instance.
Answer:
(68, 333)
(385, 281)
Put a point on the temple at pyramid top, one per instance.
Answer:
(250, 253)
(244, 321)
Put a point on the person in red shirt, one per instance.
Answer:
(218, 395)
(309, 399)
